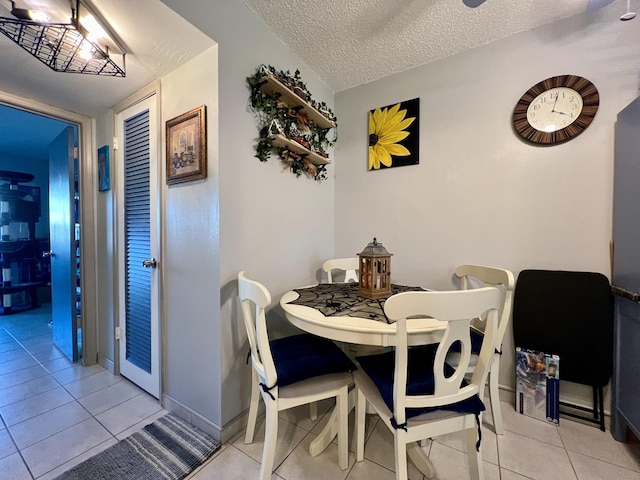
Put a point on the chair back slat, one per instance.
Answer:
(349, 266)
(254, 299)
(491, 277)
(457, 308)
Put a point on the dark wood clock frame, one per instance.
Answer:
(590, 102)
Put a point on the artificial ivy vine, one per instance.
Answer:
(276, 116)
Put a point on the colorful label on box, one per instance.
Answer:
(538, 385)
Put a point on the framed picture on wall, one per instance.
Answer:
(394, 135)
(186, 138)
(104, 174)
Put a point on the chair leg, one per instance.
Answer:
(270, 437)
(361, 407)
(474, 456)
(342, 405)
(253, 408)
(400, 440)
(494, 394)
(601, 399)
(313, 411)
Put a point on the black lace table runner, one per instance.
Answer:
(341, 299)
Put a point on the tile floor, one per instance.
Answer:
(55, 414)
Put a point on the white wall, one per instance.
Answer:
(190, 254)
(277, 227)
(105, 249)
(480, 194)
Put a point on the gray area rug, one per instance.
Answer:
(167, 449)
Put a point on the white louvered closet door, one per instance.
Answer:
(138, 246)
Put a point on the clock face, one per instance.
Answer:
(556, 109)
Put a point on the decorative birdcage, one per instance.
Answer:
(374, 271)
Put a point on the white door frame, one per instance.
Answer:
(152, 384)
(88, 226)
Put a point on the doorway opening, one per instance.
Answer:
(28, 216)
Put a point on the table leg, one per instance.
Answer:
(420, 459)
(330, 430)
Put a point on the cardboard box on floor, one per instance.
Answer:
(538, 385)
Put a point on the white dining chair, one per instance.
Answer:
(415, 393)
(349, 267)
(349, 270)
(289, 372)
(482, 276)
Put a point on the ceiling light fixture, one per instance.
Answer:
(64, 47)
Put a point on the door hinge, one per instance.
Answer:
(115, 143)
(75, 152)
(118, 333)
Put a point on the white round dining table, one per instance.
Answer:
(361, 331)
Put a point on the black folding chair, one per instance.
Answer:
(569, 314)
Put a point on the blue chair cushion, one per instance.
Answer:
(420, 381)
(304, 356)
(476, 343)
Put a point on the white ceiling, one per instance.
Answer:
(157, 39)
(347, 43)
(350, 43)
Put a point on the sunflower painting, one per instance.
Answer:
(393, 135)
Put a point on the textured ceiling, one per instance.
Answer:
(350, 43)
(347, 43)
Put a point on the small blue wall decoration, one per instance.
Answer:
(104, 174)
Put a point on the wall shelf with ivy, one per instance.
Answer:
(291, 123)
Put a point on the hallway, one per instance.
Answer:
(56, 413)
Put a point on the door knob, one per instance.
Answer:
(151, 263)
(48, 254)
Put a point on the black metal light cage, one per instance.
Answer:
(58, 45)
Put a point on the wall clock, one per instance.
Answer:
(556, 109)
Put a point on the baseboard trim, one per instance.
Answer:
(222, 434)
(107, 363)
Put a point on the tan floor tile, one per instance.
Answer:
(452, 464)
(289, 437)
(589, 468)
(24, 375)
(140, 425)
(299, 465)
(110, 396)
(57, 449)
(230, 464)
(531, 427)
(79, 459)
(367, 470)
(128, 413)
(7, 447)
(23, 410)
(92, 383)
(589, 440)
(76, 372)
(534, 459)
(26, 390)
(48, 423)
(14, 468)
(509, 475)
(458, 440)
(379, 449)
